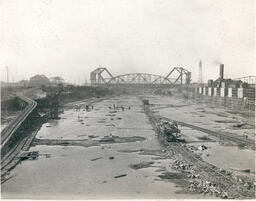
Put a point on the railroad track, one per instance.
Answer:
(207, 171)
(210, 172)
(222, 135)
(15, 124)
(12, 154)
(10, 160)
(6, 134)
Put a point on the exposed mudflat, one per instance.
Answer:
(87, 142)
(89, 154)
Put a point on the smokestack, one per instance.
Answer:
(221, 71)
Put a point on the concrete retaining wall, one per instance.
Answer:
(239, 98)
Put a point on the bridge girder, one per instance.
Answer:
(140, 78)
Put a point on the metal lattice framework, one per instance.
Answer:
(248, 79)
(97, 78)
(182, 77)
(139, 78)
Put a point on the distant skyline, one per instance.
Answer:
(71, 38)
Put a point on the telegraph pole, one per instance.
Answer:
(200, 74)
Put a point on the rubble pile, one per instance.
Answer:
(181, 165)
(202, 147)
(223, 184)
(168, 129)
(201, 186)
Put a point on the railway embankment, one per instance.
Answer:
(194, 174)
(11, 134)
(20, 133)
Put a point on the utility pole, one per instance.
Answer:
(200, 74)
(7, 74)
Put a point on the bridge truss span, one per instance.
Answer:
(177, 76)
(139, 78)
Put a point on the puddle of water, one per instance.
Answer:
(228, 157)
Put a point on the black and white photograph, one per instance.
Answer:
(127, 99)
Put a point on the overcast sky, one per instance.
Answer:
(70, 38)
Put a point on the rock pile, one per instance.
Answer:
(201, 186)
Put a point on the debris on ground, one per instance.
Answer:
(111, 157)
(171, 175)
(202, 147)
(111, 125)
(201, 186)
(110, 115)
(101, 121)
(181, 165)
(92, 136)
(246, 170)
(29, 155)
(141, 165)
(204, 138)
(168, 129)
(114, 111)
(122, 175)
(201, 182)
(238, 125)
(243, 170)
(81, 135)
(47, 155)
(107, 139)
(225, 121)
(96, 159)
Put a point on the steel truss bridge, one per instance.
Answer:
(177, 76)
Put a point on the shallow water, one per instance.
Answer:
(229, 157)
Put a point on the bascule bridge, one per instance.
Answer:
(178, 76)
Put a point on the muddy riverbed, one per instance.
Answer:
(112, 152)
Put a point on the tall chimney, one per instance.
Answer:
(221, 71)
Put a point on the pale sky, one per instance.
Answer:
(70, 38)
